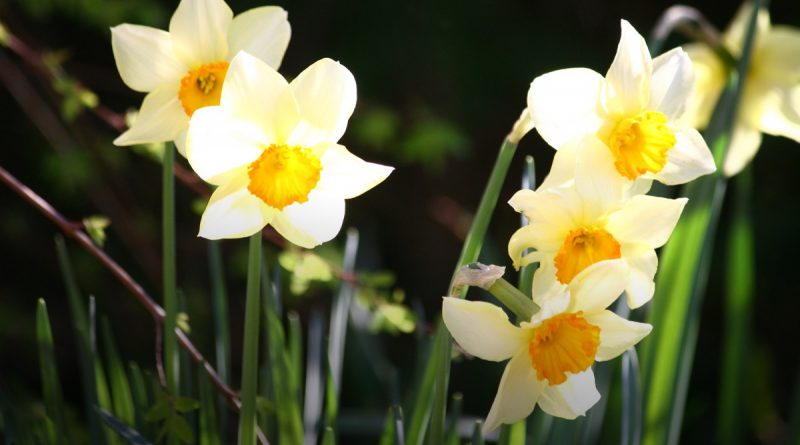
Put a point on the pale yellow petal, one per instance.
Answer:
(564, 104)
(733, 37)
(571, 398)
(263, 32)
(144, 57)
(217, 144)
(617, 334)
(347, 175)
(254, 92)
(233, 212)
(199, 30)
(597, 180)
(672, 83)
(709, 75)
(161, 118)
(597, 286)
(313, 222)
(627, 86)
(482, 329)
(745, 142)
(326, 96)
(562, 170)
(517, 394)
(646, 219)
(689, 159)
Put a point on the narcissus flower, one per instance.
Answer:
(634, 111)
(183, 70)
(571, 229)
(770, 101)
(271, 148)
(552, 354)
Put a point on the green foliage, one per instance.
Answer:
(170, 412)
(100, 14)
(130, 435)
(305, 266)
(95, 227)
(51, 385)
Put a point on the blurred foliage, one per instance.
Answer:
(100, 14)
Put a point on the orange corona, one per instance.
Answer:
(640, 144)
(583, 247)
(202, 87)
(284, 175)
(561, 344)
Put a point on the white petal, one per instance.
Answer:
(596, 179)
(646, 219)
(564, 104)
(777, 55)
(672, 83)
(256, 93)
(733, 37)
(326, 95)
(217, 144)
(161, 118)
(482, 329)
(348, 175)
(233, 212)
(627, 86)
(571, 398)
(616, 333)
(545, 283)
(180, 141)
(199, 30)
(313, 222)
(144, 57)
(689, 159)
(643, 262)
(597, 286)
(745, 142)
(263, 32)
(517, 394)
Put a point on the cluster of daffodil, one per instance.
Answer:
(592, 227)
(269, 146)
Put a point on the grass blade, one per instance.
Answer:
(141, 399)
(631, 429)
(247, 416)
(312, 406)
(51, 385)
(171, 359)
(121, 396)
(222, 333)
(295, 353)
(477, 433)
(329, 437)
(739, 293)
(130, 435)
(340, 312)
(209, 422)
(80, 325)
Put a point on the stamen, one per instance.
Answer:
(640, 144)
(284, 175)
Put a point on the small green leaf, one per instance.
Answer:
(159, 411)
(95, 226)
(182, 321)
(180, 426)
(183, 404)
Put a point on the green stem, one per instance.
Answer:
(252, 312)
(469, 254)
(219, 309)
(520, 304)
(170, 295)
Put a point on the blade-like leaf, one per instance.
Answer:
(121, 396)
(130, 435)
(51, 385)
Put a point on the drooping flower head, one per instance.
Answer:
(634, 111)
(552, 354)
(770, 101)
(572, 228)
(183, 70)
(271, 147)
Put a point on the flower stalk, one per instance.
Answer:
(247, 418)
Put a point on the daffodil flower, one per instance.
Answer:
(634, 112)
(552, 354)
(770, 101)
(271, 148)
(183, 70)
(571, 229)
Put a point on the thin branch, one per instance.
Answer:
(74, 230)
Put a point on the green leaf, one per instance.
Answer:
(51, 386)
(141, 398)
(130, 435)
(96, 226)
(209, 428)
(159, 411)
(184, 404)
(329, 437)
(180, 426)
(477, 433)
(219, 310)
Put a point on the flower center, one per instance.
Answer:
(202, 87)
(583, 247)
(284, 175)
(640, 144)
(561, 344)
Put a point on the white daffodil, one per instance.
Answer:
(770, 101)
(551, 356)
(271, 148)
(572, 228)
(183, 70)
(634, 112)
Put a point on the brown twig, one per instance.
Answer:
(74, 230)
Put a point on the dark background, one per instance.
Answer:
(440, 84)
